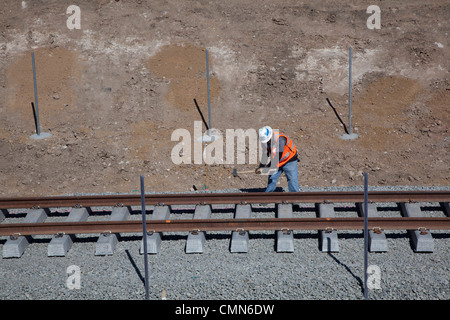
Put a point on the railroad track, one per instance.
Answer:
(327, 224)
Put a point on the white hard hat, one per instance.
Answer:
(265, 134)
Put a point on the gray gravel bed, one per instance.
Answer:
(261, 274)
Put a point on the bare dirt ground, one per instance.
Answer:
(113, 92)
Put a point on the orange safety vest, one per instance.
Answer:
(290, 150)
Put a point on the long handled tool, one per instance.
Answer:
(236, 173)
(261, 172)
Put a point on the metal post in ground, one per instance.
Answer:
(36, 108)
(144, 231)
(350, 135)
(350, 92)
(38, 134)
(209, 99)
(366, 235)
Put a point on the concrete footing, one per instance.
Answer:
(40, 136)
(328, 239)
(61, 243)
(285, 238)
(377, 238)
(154, 238)
(240, 238)
(15, 247)
(196, 239)
(421, 239)
(107, 242)
(351, 136)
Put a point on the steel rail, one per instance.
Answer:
(134, 226)
(224, 198)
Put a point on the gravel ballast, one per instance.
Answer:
(260, 274)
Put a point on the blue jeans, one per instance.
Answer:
(291, 171)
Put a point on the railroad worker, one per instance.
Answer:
(281, 156)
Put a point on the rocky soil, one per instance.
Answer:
(113, 92)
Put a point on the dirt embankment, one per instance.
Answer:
(113, 92)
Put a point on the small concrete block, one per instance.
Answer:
(377, 241)
(285, 241)
(160, 213)
(77, 215)
(410, 209)
(107, 242)
(153, 243)
(239, 242)
(14, 248)
(371, 208)
(285, 238)
(422, 240)
(120, 214)
(202, 212)
(284, 211)
(35, 216)
(3, 213)
(196, 240)
(239, 239)
(325, 210)
(328, 239)
(154, 239)
(61, 244)
(243, 211)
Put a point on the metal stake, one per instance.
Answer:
(350, 92)
(366, 242)
(209, 99)
(38, 131)
(144, 231)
